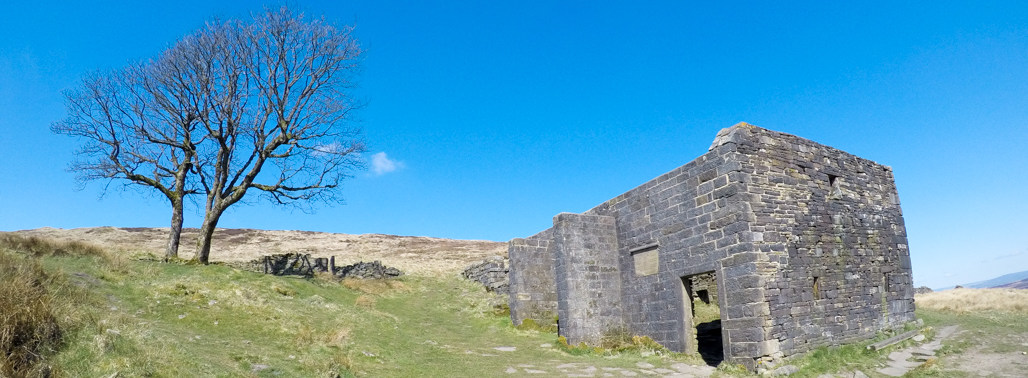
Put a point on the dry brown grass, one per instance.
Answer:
(28, 327)
(972, 300)
(41, 246)
(338, 338)
(417, 255)
(374, 286)
(365, 301)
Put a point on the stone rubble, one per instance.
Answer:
(491, 273)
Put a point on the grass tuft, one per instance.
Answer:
(615, 341)
(39, 247)
(531, 325)
(375, 286)
(28, 327)
(365, 301)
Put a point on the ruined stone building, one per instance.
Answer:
(800, 245)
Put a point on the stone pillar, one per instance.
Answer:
(746, 314)
(533, 290)
(588, 277)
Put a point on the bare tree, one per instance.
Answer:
(279, 106)
(138, 125)
(262, 105)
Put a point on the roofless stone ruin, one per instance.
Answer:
(800, 245)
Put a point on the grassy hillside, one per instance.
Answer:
(128, 314)
(413, 254)
(70, 309)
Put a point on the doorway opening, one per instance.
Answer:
(702, 320)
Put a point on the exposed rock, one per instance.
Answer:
(923, 290)
(491, 273)
(785, 370)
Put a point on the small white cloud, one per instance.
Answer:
(325, 149)
(381, 164)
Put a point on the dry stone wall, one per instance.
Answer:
(491, 273)
(300, 264)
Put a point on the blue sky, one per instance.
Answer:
(488, 118)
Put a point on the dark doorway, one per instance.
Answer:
(702, 320)
(708, 341)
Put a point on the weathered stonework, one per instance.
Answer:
(806, 244)
(491, 273)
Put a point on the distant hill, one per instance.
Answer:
(1022, 284)
(1015, 279)
(411, 254)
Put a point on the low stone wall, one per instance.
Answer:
(491, 273)
(296, 264)
(373, 269)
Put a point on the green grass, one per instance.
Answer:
(704, 312)
(141, 317)
(127, 313)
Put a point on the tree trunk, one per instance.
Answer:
(175, 236)
(210, 222)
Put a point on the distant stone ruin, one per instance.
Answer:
(297, 264)
(800, 245)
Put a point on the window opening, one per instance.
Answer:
(835, 186)
(817, 288)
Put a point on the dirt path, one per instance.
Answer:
(566, 368)
(983, 361)
(904, 360)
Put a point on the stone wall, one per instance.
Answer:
(806, 242)
(832, 225)
(533, 286)
(704, 287)
(491, 273)
(587, 275)
(693, 219)
(301, 264)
